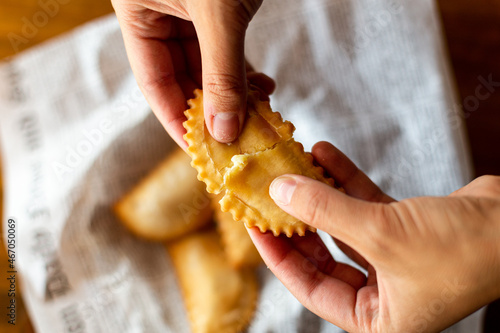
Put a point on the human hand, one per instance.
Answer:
(430, 260)
(168, 43)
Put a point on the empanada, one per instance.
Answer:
(168, 203)
(243, 170)
(219, 298)
(237, 244)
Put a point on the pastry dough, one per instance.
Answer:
(168, 203)
(263, 128)
(218, 297)
(243, 170)
(238, 245)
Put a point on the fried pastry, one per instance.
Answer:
(243, 170)
(168, 203)
(237, 244)
(263, 128)
(218, 297)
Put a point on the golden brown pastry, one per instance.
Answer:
(243, 170)
(168, 203)
(237, 244)
(218, 297)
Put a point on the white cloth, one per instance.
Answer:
(76, 133)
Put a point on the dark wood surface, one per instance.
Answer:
(472, 30)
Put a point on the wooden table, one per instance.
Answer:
(473, 32)
(472, 29)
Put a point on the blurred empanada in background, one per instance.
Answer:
(218, 297)
(168, 203)
(238, 245)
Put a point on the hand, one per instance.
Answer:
(168, 43)
(430, 260)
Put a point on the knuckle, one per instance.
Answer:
(246, 9)
(224, 85)
(162, 81)
(316, 207)
(487, 185)
(490, 181)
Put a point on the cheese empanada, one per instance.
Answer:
(168, 203)
(243, 170)
(237, 244)
(218, 297)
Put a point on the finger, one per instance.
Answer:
(261, 80)
(191, 48)
(356, 184)
(152, 63)
(326, 295)
(221, 27)
(351, 220)
(347, 174)
(187, 85)
(360, 260)
(317, 256)
(352, 254)
(183, 76)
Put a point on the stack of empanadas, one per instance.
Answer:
(213, 255)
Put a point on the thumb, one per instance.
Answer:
(221, 27)
(350, 220)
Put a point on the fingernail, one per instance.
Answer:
(281, 190)
(226, 126)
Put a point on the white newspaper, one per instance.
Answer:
(370, 76)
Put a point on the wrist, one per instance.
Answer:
(496, 267)
(483, 256)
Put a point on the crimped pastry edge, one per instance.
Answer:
(193, 134)
(229, 202)
(253, 218)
